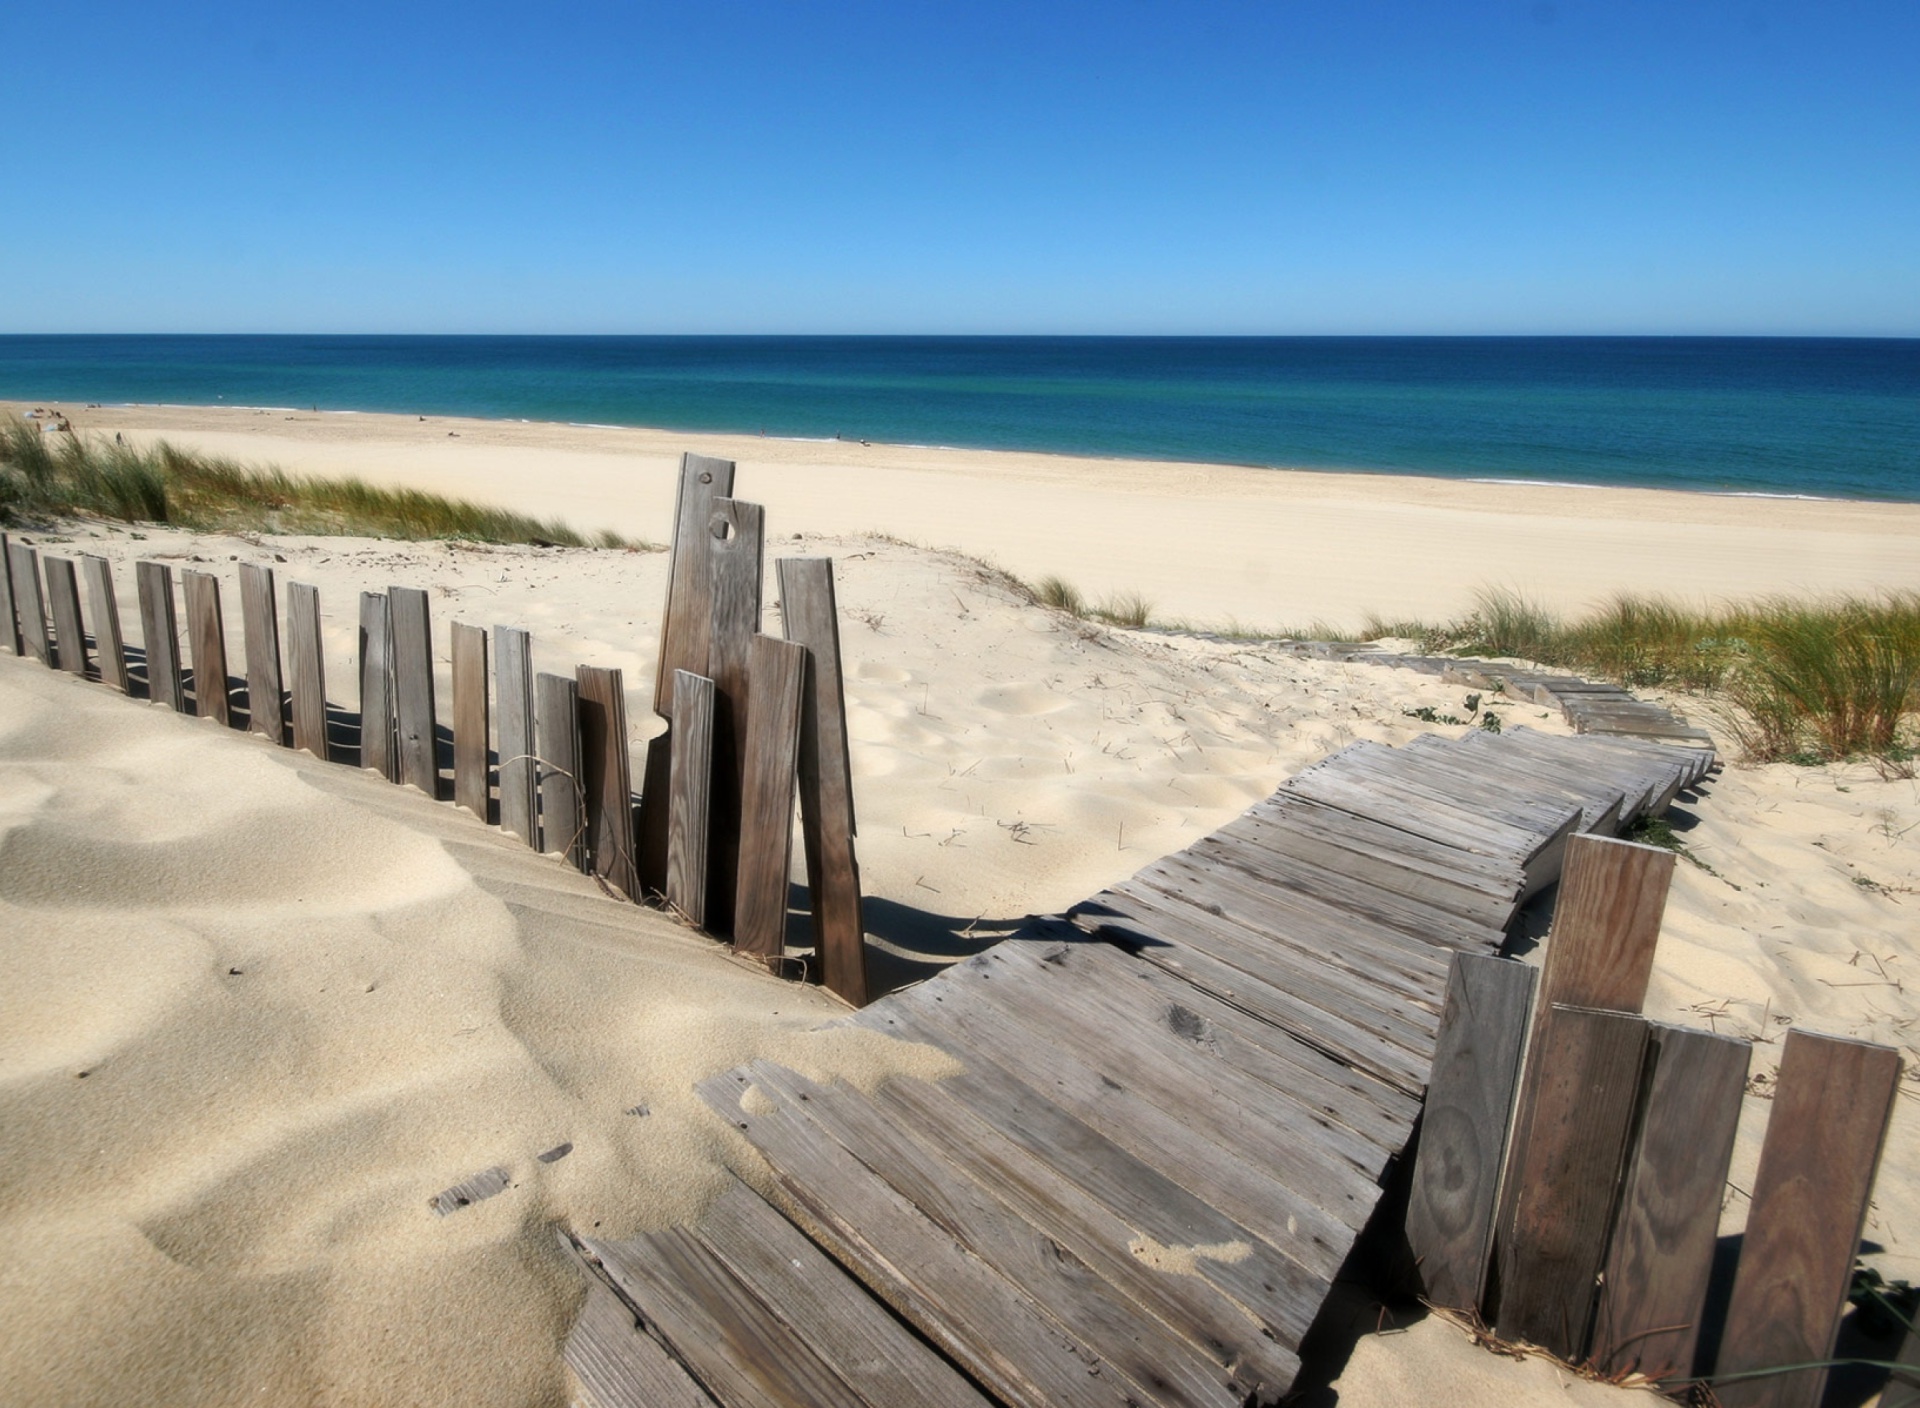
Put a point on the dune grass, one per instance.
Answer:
(51, 475)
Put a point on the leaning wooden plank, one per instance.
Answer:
(811, 617)
(308, 667)
(1606, 922)
(207, 634)
(63, 595)
(107, 645)
(379, 749)
(616, 1362)
(413, 689)
(606, 777)
(1824, 1135)
(9, 618)
(1655, 1285)
(556, 704)
(1463, 1131)
(513, 685)
(260, 620)
(160, 635)
(472, 738)
(23, 568)
(685, 624)
(651, 838)
(689, 790)
(734, 559)
(778, 669)
(1565, 1170)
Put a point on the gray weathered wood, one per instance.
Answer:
(778, 670)
(107, 644)
(9, 619)
(307, 668)
(23, 569)
(1606, 922)
(606, 777)
(1824, 1136)
(556, 704)
(810, 617)
(1655, 1284)
(207, 634)
(69, 635)
(413, 689)
(687, 619)
(1463, 1130)
(734, 535)
(260, 622)
(513, 686)
(1565, 1171)
(689, 791)
(617, 1363)
(379, 748)
(160, 635)
(468, 1191)
(472, 737)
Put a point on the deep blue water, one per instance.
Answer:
(1834, 417)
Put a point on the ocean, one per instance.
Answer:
(1818, 417)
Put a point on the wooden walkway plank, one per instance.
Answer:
(30, 611)
(734, 559)
(1655, 1285)
(778, 671)
(1606, 923)
(107, 644)
(606, 777)
(556, 703)
(9, 617)
(308, 668)
(472, 734)
(1463, 1130)
(69, 635)
(690, 783)
(379, 744)
(687, 619)
(414, 707)
(160, 635)
(513, 686)
(617, 1363)
(1823, 1142)
(207, 635)
(260, 624)
(1500, 877)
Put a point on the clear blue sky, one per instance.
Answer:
(1300, 166)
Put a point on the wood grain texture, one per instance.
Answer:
(811, 618)
(606, 777)
(1655, 1284)
(1824, 1136)
(260, 624)
(23, 571)
(9, 618)
(685, 623)
(1566, 1174)
(472, 735)
(207, 636)
(616, 1362)
(1463, 1130)
(414, 707)
(307, 665)
(513, 686)
(379, 747)
(779, 670)
(556, 708)
(1606, 921)
(734, 535)
(69, 635)
(690, 780)
(107, 644)
(160, 636)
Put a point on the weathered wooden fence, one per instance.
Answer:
(1573, 1197)
(753, 722)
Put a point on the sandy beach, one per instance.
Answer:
(256, 1010)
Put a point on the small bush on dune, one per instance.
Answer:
(1061, 595)
(1128, 609)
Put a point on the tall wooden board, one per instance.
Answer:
(379, 746)
(207, 635)
(260, 623)
(606, 777)
(69, 635)
(556, 703)
(734, 555)
(23, 569)
(655, 804)
(811, 618)
(1824, 1135)
(472, 740)
(1655, 1284)
(160, 635)
(9, 619)
(689, 612)
(1606, 921)
(1463, 1129)
(513, 686)
(766, 826)
(413, 689)
(107, 645)
(308, 667)
(689, 791)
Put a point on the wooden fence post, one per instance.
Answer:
(160, 635)
(379, 749)
(1463, 1129)
(811, 617)
(413, 689)
(689, 790)
(606, 777)
(106, 623)
(513, 668)
(308, 661)
(260, 624)
(471, 741)
(23, 568)
(1824, 1135)
(734, 545)
(207, 636)
(69, 634)
(779, 670)
(10, 627)
(557, 724)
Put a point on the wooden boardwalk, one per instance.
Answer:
(1174, 1112)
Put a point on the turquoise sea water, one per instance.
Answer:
(1812, 416)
